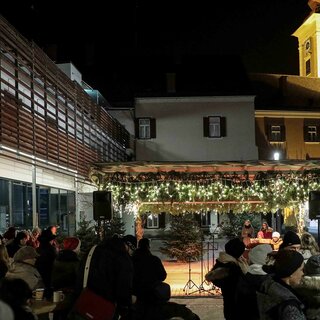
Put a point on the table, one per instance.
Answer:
(42, 306)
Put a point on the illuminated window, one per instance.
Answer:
(311, 131)
(153, 221)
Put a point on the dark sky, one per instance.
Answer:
(110, 41)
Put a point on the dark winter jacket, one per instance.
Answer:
(148, 270)
(309, 291)
(277, 300)
(111, 272)
(65, 270)
(246, 292)
(225, 274)
(45, 261)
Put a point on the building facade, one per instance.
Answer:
(50, 133)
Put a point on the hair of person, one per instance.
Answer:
(309, 242)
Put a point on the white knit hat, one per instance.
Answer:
(275, 234)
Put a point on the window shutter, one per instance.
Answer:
(223, 126)
(162, 220)
(305, 133)
(197, 217)
(206, 126)
(136, 128)
(153, 129)
(283, 133)
(268, 131)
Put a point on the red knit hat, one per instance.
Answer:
(72, 243)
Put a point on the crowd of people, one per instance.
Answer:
(122, 271)
(278, 279)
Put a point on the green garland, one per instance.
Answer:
(186, 192)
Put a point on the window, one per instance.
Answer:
(275, 130)
(145, 128)
(152, 221)
(214, 127)
(311, 130)
(205, 219)
(308, 67)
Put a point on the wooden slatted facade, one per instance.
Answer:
(46, 115)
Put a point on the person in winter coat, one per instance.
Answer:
(276, 296)
(18, 242)
(148, 271)
(4, 261)
(110, 274)
(47, 254)
(228, 269)
(309, 288)
(64, 274)
(23, 268)
(247, 232)
(251, 282)
(276, 240)
(291, 241)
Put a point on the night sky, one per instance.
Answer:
(115, 44)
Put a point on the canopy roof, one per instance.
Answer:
(175, 187)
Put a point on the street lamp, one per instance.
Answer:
(276, 156)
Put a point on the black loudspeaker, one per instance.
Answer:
(314, 204)
(102, 205)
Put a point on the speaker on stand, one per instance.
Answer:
(102, 210)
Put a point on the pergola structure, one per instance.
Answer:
(177, 187)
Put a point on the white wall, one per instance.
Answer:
(179, 129)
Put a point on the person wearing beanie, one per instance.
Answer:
(276, 240)
(23, 267)
(64, 272)
(291, 241)
(230, 266)
(277, 297)
(250, 283)
(309, 288)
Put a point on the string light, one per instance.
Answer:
(195, 191)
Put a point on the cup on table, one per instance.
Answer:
(58, 296)
(38, 294)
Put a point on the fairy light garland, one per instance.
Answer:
(195, 191)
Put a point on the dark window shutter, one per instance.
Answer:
(206, 126)
(223, 126)
(136, 128)
(318, 134)
(153, 129)
(209, 218)
(197, 217)
(268, 131)
(283, 133)
(162, 220)
(305, 133)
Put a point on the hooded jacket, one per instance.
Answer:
(309, 290)
(276, 300)
(225, 274)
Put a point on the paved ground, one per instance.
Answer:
(207, 308)
(188, 286)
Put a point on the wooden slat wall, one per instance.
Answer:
(25, 128)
